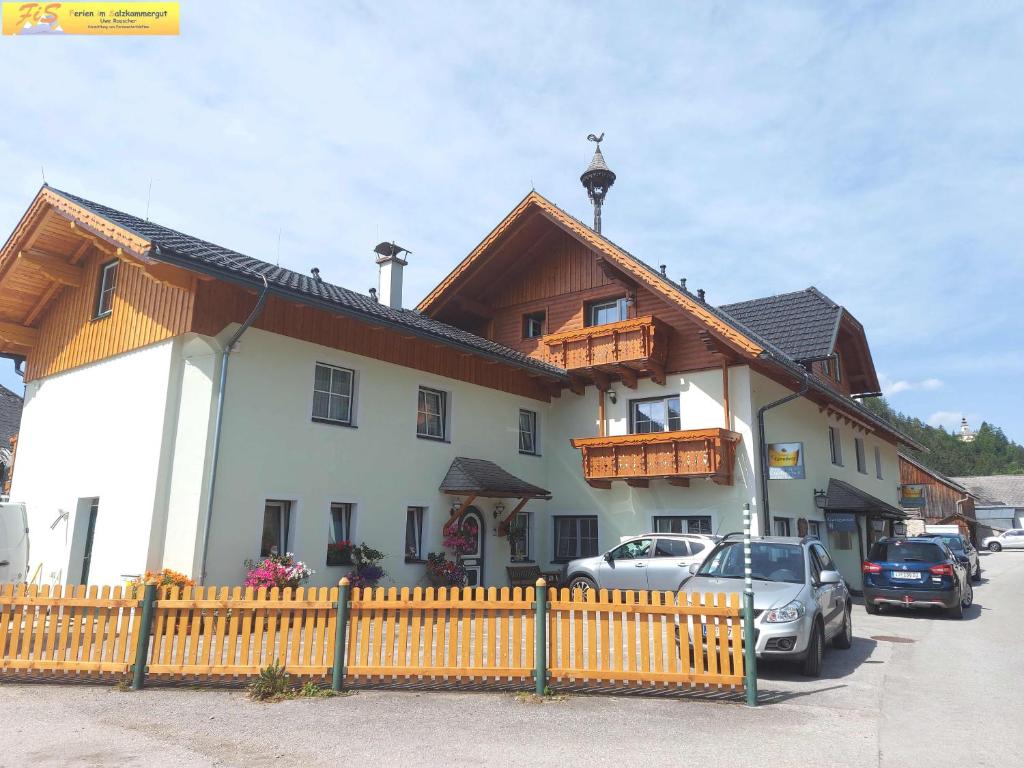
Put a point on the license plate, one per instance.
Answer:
(906, 574)
(728, 631)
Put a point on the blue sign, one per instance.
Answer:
(841, 522)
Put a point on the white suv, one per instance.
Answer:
(654, 561)
(1011, 539)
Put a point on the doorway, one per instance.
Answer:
(473, 523)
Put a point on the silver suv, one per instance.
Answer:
(655, 561)
(800, 600)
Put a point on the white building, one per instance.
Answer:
(341, 417)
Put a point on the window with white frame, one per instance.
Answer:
(533, 325)
(608, 311)
(878, 462)
(814, 529)
(276, 525)
(332, 394)
(105, 294)
(782, 527)
(414, 533)
(835, 447)
(432, 414)
(528, 432)
(519, 538)
(683, 524)
(654, 415)
(341, 522)
(575, 537)
(858, 448)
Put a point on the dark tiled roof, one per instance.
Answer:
(10, 419)
(485, 478)
(843, 497)
(177, 248)
(803, 324)
(1007, 490)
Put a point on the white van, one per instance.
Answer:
(13, 543)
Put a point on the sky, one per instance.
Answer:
(871, 149)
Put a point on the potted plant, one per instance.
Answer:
(281, 571)
(367, 571)
(339, 553)
(443, 572)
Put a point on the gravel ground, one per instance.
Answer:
(946, 695)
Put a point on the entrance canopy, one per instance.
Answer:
(485, 479)
(478, 478)
(843, 497)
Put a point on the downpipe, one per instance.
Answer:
(762, 445)
(219, 419)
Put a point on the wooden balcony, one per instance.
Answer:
(622, 350)
(674, 456)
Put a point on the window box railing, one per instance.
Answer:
(639, 343)
(675, 456)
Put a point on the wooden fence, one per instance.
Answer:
(391, 637)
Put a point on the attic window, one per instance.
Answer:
(105, 294)
(832, 367)
(533, 325)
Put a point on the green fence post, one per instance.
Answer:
(340, 635)
(540, 645)
(145, 628)
(749, 648)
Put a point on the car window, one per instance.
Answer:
(696, 547)
(671, 548)
(769, 562)
(823, 557)
(907, 552)
(632, 550)
(816, 565)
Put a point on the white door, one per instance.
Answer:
(13, 543)
(472, 522)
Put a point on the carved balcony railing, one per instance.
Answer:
(623, 350)
(676, 456)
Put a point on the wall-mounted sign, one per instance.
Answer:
(841, 522)
(912, 496)
(786, 461)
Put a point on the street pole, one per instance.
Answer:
(749, 649)
(540, 645)
(142, 645)
(340, 633)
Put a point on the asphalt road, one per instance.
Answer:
(915, 690)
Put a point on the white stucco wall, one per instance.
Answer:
(96, 431)
(271, 449)
(802, 421)
(624, 510)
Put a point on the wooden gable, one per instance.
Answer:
(541, 260)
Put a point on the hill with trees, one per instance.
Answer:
(991, 453)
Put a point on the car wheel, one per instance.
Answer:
(815, 652)
(583, 584)
(994, 546)
(968, 598)
(844, 639)
(871, 608)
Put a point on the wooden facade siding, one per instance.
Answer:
(940, 498)
(561, 279)
(219, 304)
(144, 312)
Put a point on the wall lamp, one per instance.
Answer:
(613, 396)
(820, 498)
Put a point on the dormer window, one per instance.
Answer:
(105, 294)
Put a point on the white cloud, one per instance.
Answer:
(892, 386)
(947, 419)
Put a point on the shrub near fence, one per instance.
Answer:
(442, 638)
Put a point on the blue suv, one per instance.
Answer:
(916, 573)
